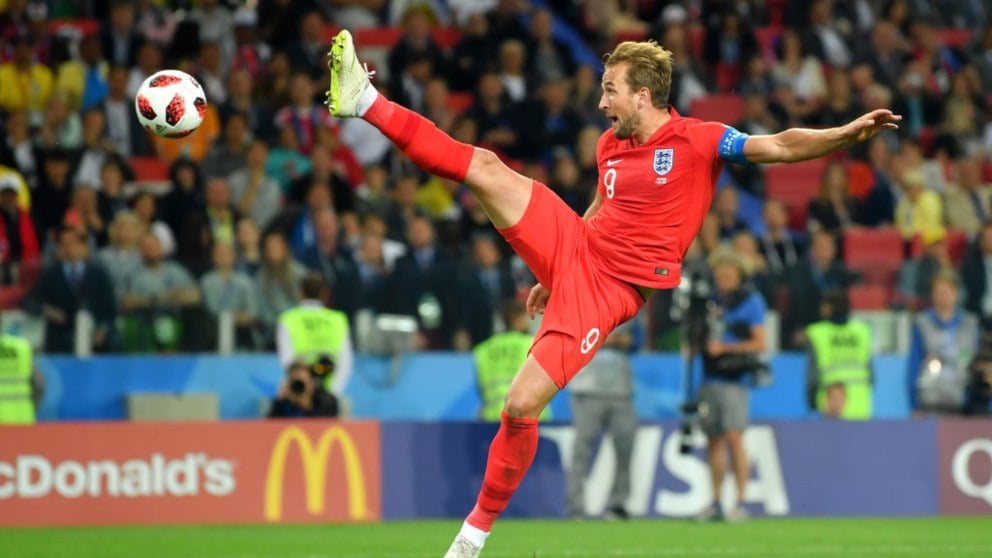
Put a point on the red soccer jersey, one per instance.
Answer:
(655, 197)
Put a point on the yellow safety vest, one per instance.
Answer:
(16, 405)
(315, 331)
(497, 361)
(843, 356)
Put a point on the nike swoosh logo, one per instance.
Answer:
(612, 162)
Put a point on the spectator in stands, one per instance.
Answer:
(303, 115)
(918, 273)
(122, 257)
(968, 201)
(84, 80)
(273, 84)
(392, 249)
(887, 53)
(256, 194)
(827, 40)
(308, 53)
(689, 80)
(475, 49)
(185, 196)
(408, 86)
(800, 76)
(372, 196)
(119, 37)
(880, 206)
(404, 207)
(839, 373)
(806, 283)
(920, 211)
(18, 236)
(944, 340)
(72, 283)
(841, 103)
(194, 146)
(494, 114)
(29, 84)
(484, 286)
(512, 62)
(154, 22)
(124, 133)
(756, 272)
(729, 44)
(559, 125)
(250, 53)
(84, 215)
(211, 74)
(145, 206)
(608, 19)
(960, 110)
(980, 55)
(416, 42)
(726, 208)
(422, 276)
(110, 192)
(156, 296)
(149, 62)
(279, 20)
(337, 267)
(781, 248)
(301, 395)
(567, 182)
(214, 223)
(227, 290)
(834, 209)
(584, 97)
(241, 101)
(51, 197)
(248, 244)
(95, 149)
(61, 126)
(285, 163)
(231, 153)
(917, 102)
(976, 273)
(374, 273)
(548, 58)
(18, 150)
(277, 282)
(357, 14)
(436, 104)
(216, 25)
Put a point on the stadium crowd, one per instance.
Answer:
(271, 186)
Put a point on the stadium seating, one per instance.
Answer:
(957, 246)
(875, 253)
(795, 185)
(722, 108)
(869, 297)
(149, 169)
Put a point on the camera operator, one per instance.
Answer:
(302, 393)
(731, 360)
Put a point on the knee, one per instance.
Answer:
(522, 405)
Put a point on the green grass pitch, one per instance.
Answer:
(761, 538)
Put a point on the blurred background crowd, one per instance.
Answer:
(157, 238)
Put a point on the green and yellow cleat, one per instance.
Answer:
(349, 77)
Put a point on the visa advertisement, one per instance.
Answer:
(340, 471)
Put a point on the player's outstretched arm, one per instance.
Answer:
(800, 144)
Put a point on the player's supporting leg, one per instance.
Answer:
(504, 194)
(510, 455)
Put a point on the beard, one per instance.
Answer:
(625, 126)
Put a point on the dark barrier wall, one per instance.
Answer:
(314, 471)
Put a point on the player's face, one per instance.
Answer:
(618, 102)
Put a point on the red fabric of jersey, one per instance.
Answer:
(655, 197)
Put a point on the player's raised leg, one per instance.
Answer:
(510, 456)
(504, 194)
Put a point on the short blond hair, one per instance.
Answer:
(648, 65)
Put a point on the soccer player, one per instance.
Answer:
(658, 172)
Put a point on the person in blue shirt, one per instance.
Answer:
(730, 362)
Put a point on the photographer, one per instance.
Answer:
(731, 359)
(302, 393)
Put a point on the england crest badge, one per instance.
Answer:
(663, 159)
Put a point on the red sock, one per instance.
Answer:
(429, 148)
(510, 456)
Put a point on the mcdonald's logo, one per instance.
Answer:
(315, 460)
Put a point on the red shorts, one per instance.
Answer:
(586, 304)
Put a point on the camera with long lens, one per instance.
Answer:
(319, 370)
(692, 305)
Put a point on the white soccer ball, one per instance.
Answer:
(170, 104)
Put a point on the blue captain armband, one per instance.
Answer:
(732, 146)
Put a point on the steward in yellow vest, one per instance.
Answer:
(310, 331)
(839, 374)
(17, 381)
(498, 359)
